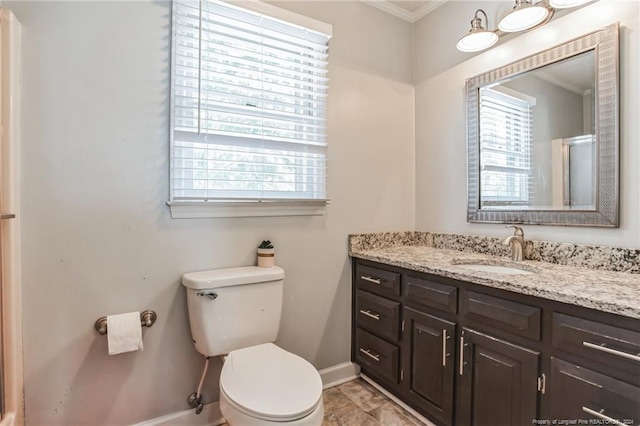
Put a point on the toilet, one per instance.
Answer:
(236, 312)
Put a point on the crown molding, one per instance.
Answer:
(427, 8)
(391, 9)
(561, 83)
(401, 13)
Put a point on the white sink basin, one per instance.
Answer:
(494, 266)
(495, 269)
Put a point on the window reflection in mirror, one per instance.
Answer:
(537, 138)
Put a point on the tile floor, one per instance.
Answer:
(357, 403)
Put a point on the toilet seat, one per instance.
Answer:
(269, 383)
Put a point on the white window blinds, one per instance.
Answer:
(505, 149)
(249, 106)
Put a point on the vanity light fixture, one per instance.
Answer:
(524, 16)
(477, 38)
(565, 4)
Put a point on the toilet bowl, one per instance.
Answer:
(266, 385)
(237, 311)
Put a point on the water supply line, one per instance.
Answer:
(195, 399)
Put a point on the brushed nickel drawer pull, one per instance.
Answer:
(370, 315)
(444, 348)
(461, 355)
(368, 353)
(542, 384)
(601, 415)
(371, 280)
(611, 351)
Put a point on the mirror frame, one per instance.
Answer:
(605, 43)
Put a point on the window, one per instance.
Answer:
(505, 149)
(248, 106)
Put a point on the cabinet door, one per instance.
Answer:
(428, 363)
(497, 381)
(576, 392)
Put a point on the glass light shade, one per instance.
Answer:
(523, 17)
(477, 40)
(565, 4)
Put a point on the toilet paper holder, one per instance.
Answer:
(147, 318)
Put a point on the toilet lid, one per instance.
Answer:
(270, 383)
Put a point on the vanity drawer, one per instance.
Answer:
(576, 392)
(377, 355)
(379, 281)
(433, 294)
(378, 315)
(513, 317)
(604, 343)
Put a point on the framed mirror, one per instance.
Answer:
(542, 137)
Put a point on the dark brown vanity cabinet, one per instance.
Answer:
(465, 354)
(497, 377)
(428, 362)
(581, 393)
(376, 316)
(496, 381)
(595, 370)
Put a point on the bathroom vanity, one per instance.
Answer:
(464, 345)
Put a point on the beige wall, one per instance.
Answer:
(98, 238)
(441, 186)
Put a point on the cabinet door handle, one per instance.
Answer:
(611, 351)
(368, 353)
(371, 280)
(461, 355)
(370, 315)
(444, 348)
(7, 216)
(542, 384)
(601, 415)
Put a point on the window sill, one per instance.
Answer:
(224, 209)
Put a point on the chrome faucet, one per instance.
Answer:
(515, 242)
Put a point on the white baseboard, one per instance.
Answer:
(210, 416)
(339, 374)
(392, 397)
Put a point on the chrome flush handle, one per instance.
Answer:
(210, 294)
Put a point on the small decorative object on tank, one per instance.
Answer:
(266, 254)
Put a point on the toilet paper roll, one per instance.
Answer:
(124, 333)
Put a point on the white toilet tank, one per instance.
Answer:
(234, 308)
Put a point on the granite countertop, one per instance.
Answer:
(614, 292)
